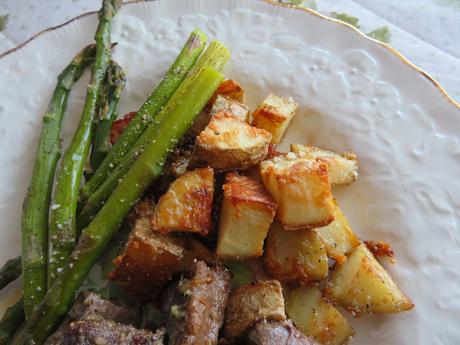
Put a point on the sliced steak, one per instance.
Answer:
(278, 333)
(105, 332)
(195, 305)
(91, 307)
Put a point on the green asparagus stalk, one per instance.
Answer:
(10, 271)
(11, 321)
(62, 227)
(149, 110)
(108, 112)
(215, 56)
(95, 237)
(37, 202)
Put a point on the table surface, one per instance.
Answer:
(426, 32)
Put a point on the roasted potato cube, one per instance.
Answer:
(295, 255)
(245, 217)
(229, 143)
(274, 114)
(187, 205)
(231, 90)
(237, 109)
(252, 303)
(342, 168)
(338, 237)
(313, 316)
(361, 285)
(150, 259)
(301, 188)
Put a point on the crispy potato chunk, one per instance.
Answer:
(219, 105)
(230, 143)
(150, 259)
(187, 205)
(361, 285)
(275, 114)
(237, 109)
(246, 215)
(301, 188)
(231, 90)
(338, 237)
(252, 303)
(295, 255)
(342, 168)
(313, 316)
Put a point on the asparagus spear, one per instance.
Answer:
(37, 201)
(108, 112)
(11, 321)
(62, 228)
(95, 237)
(215, 56)
(149, 110)
(10, 271)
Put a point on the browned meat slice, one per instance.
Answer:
(278, 333)
(105, 332)
(195, 305)
(90, 306)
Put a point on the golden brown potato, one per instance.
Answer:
(219, 105)
(338, 237)
(252, 303)
(237, 109)
(150, 259)
(229, 143)
(361, 285)
(301, 188)
(275, 114)
(230, 89)
(187, 205)
(245, 217)
(313, 316)
(342, 168)
(295, 255)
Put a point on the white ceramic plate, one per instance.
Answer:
(354, 94)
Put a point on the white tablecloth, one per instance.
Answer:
(427, 32)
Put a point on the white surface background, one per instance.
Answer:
(425, 31)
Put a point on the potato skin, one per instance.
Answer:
(229, 143)
(361, 285)
(187, 205)
(315, 317)
(342, 168)
(150, 259)
(250, 304)
(246, 214)
(301, 188)
(295, 255)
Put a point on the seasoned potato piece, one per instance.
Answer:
(187, 205)
(338, 237)
(342, 168)
(150, 259)
(230, 143)
(361, 285)
(295, 255)
(301, 188)
(231, 90)
(246, 215)
(252, 303)
(274, 114)
(313, 316)
(219, 105)
(237, 109)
